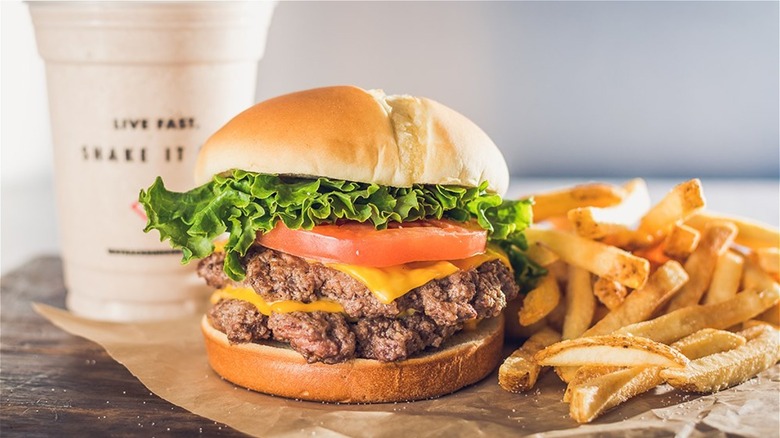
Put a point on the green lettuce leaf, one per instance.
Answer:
(245, 203)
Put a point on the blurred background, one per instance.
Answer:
(585, 90)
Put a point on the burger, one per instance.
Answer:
(358, 244)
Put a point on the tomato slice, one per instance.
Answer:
(361, 244)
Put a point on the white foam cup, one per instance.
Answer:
(134, 89)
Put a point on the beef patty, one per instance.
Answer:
(424, 317)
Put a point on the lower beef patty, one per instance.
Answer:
(369, 329)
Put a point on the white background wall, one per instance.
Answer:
(575, 89)
(564, 88)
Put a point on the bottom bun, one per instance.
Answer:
(465, 358)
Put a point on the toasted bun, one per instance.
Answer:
(366, 136)
(464, 359)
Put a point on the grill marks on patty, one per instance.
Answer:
(369, 329)
(389, 339)
(318, 336)
(240, 321)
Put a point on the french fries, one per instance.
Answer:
(621, 237)
(567, 373)
(681, 202)
(555, 318)
(640, 304)
(559, 202)
(611, 350)
(754, 329)
(753, 277)
(725, 278)
(771, 315)
(619, 337)
(594, 390)
(708, 341)
(539, 302)
(580, 303)
(603, 260)
(584, 374)
(541, 255)
(595, 396)
(681, 241)
(519, 371)
(597, 222)
(722, 370)
(751, 234)
(683, 322)
(701, 264)
(768, 259)
(609, 292)
(600, 386)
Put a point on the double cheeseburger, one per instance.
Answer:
(369, 252)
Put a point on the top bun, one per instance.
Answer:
(352, 134)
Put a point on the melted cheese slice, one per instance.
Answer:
(387, 284)
(266, 308)
(390, 283)
(491, 253)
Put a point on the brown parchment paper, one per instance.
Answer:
(169, 358)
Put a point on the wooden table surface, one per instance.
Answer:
(56, 384)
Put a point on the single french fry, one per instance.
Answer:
(708, 341)
(598, 258)
(753, 330)
(700, 265)
(681, 202)
(752, 234)
(611, 350)
(609, 292)
(584, 374)
(683, 322)
(555, 318)
(753, 277)
(560, 223)
(519, 371)
(560, 270)
(597, 222)
(620, 236)
(580, 303)
(768, 259)
(600, 312)
(559, 202)
(681, 241)
(725, 278)
(722, 370)
(653, 254)
(541, 255)
(567, 373)
(748, 325)
(771, 315)
(597, 395)
(641, 303)
(539, 302)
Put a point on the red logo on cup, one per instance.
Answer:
(136, 207)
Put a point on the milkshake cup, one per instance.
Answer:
(134, 89)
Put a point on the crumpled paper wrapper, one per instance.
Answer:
(170, 359)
